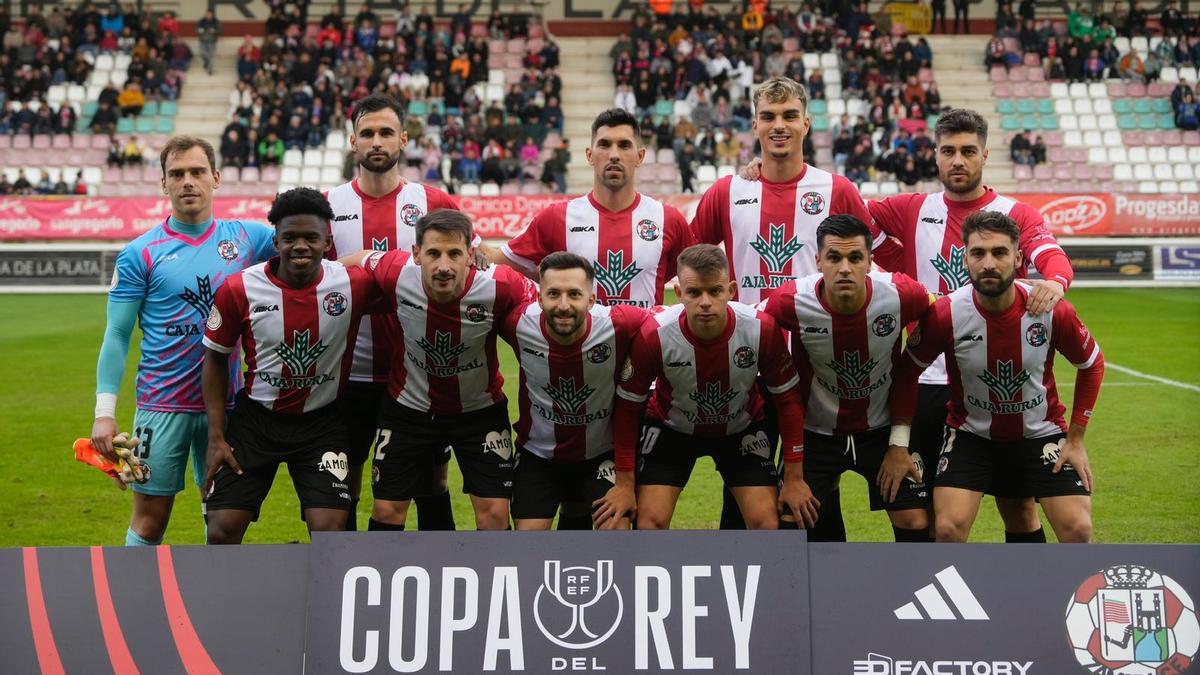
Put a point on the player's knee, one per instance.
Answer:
(492, 515)
(390, 512)
(1019, 515)
(650, 520)
(764, 519)
(1076, 531)
(951, 529)
(222, 532)
(910, 519)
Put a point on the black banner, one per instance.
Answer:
(48, 267)
(1110, 261)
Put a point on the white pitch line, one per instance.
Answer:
(1106, 385)
(1147, 376)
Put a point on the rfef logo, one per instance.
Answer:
(568, 595)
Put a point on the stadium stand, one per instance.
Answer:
(688, 77)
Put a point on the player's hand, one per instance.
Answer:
(752, 170)
(619, 502)
(482, 256)
(1072, 452)
(1045, 296)
(104, 429)
(219, 455)
(897, 463)
(797, 499)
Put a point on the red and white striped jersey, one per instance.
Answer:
(295, 339)
(567, 391)
(769, 230)
(707, 387)
(444, 360)
(845, 360)
(930, 228)
(633, 251)
(387, 223)
(1001, 365)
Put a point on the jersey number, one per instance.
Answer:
(649, 439)
(382, 438)
(142, 451)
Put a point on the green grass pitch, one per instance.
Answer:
(1143, 441)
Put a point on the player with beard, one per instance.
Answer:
(632, 239)
(164, 282)
(444, 382)
(378, 211)
(570, 349)
(1007, 436)
(930, 228)
(707, 355)
(768, 226)
(295, 317)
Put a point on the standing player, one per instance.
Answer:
(707, 354)
(930, 228)
(570, 349)
(295, 317)
(1007, 435)
(444, 383)
(847, 322)
(165, 281)
(632, 239)
(768, 227)
(379, 211)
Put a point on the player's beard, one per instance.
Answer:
(615, 181)
(971, 185)
(379, 166)
(575, 325)
(993, 291)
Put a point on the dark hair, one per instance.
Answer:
(300, 201)
(375, 103)
(961, 120)
(990, 221)
(844, 226)
(180, 144)
(565, 260)
(446, 221)
(615, 117)
(703, 259)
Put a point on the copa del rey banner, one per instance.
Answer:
(123, 218)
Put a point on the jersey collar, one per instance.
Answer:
(989, 196)
(170, 226)
(391, 195)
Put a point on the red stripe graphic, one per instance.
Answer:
(110, 626)
(191, 651)
(43, 637)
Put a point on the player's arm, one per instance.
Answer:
(931, 337)
(886, 251)
(542, 237)
(1074, 341)
(641, 367)
(796, 500)
(1042, 250)
(708, 223)
(221, 334)
(110, 370)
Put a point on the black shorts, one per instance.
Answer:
(312, 444)
(929, 424)
(743, 459)
(363, 401)
(826, 458)
(1006, 469)
(540, 485)
(411, 443)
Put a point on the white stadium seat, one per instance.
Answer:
(1059, 90)
(1083, 105)
(332, 158)
(1148, 187)
(1177, 154)
(489, 190)
(1088, 122)
(1138, 155)
(1118, 155)
(1097, 90)
(1097, 155)
(829, 60)
(1122, 172)
(104, 62)
(313, 158)
(811, 60)
(706, 173)
(1189, 187)
(1169, 75)
(293, 158)
(1063, 106)
(1068, 122)
(1107, 122)
(1156, 154)
(1163, 172)
(889, 187)
(869, 188)
(1143, 172)
(726, 170)
(1072, 139)
(289, 174)
(1183, 172)
(1112, 139)
(1078, 90)
(836, 108)
(336, 140)
(310, 175)
(469, 189)
(1194, 154)
(1168, 187)
(1102, 106)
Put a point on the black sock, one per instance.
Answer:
(903, 534)
(1038, 536)
(434, 512)
(731, 514)
(830, 526)
(574, 521)
(376, 526)
(788, 524)
(352, 517)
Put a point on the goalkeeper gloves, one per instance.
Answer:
(126, 470)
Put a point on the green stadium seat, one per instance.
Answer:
(150, 109)
(1031, 122)
(1010, 123)
(664, 109)
(144, 125)
(1050, 122)
(165, 125)
(820, 123)
(1141, 106)
(1005, 106)
(1127, 122)
(418, 108)
(89, 109)
(1026, 106)
(931, 120)
(1122, 106)
(81, 124)
(1045, 106)
(168, 108)
(1148, 122)
(1166, 121)
(817, 106)
(1161, 105)
(125, 125)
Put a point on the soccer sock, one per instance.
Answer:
(352, 518)
(830, 526)
(434, 512)
(731, 514)
(1038, 536)
(902, 534)
(376, 526)
(134, 539)
(788, 524)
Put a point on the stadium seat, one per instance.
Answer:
(1103, 172)
(289, 174)
(1045, 106)
(1096, 90)
(1016, 74)
(1147, 187)
(125, 125)
(706, 173)
(293, 158)
(489, 190)
(836, 107)
(1088, 122)
(868, 188)
(1191, 138)
(1025, 106)
(1035, 74)
(1118, 155)
(144, 125)
(312, 158)
(820, 123)
(829, 60)
(1169, 75)
(1140, 43)
(1107, 122)
(1083, 172)
(1194, 155)
(1141, 106)
(510, 189)
(1030, 122)
(1122, 106)
(1189, 187)
(998, 74)
(1072, 139)
(1156, 154)
(1176, 154)
(1135, 90)
(1172, 137)
(496, 76)
(1139, 155)
(1063, 106)
(1097, 155)
(1163, 172)
(92, 175)
(310, 175)
(336, 140)
(665, 156)
(1022, 172)
(1059, 90)
(1043, 172)
(1168, 187)
(1082, 106)
(856, 107)
(331, 158)
(1002, 90)
(1116, 90)
(725, 170)
(1058, 155)
(1148, 122)
(1048, 122)
(1143, 172)
(469, 189)
(1183, 172)
(1010, 123)
(811, 60)
(1063, 172)
(1188, 73)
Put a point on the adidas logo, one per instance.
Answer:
(935, 606)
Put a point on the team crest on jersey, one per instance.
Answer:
(647, 229)
(214, 319)
(943, 464)
(953, 270)
(227, 249)
(627, 370)
(599, 353)
(743, 357)
(477, 312)
(334, 303)
(812, 203)
(373, 261)
(410, 214)
(1035, 335)
(883, 325)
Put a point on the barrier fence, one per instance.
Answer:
(723, 602)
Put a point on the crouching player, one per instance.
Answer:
(295, 315)
(706, 354)
(1006, 436)
(846, 322)
(570, 350)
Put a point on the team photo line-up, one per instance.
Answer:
(367, 319)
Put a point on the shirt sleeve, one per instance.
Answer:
(914, 298)
(640, 369)
(385, 267)
(1040, 248)
(708, 225)
(781, 306)
(775, 366)
(262, 237)
(114, 349)
(1073, 340)
(131, 276)
(224, 325)
(677, 235)
(924, 344)
(538, 240)
(513, 290)
(367, 294)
